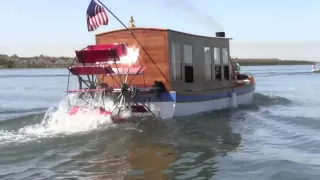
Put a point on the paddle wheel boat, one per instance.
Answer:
(314, 69)
(102, 61)
(159, 72)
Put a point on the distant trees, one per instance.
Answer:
(5, 61)
(40, 61)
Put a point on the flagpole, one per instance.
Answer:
(134, 38)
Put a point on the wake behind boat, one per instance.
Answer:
(156, 72)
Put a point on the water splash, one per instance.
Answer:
(61, 122)
(58, 121)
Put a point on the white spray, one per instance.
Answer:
(58, 121)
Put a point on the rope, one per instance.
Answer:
(69, 75)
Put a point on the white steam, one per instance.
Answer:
(194, 15)
(131, 57)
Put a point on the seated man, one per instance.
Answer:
(239, 76)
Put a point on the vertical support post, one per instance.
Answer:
(80, 82)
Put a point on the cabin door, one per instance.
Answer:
(188, 74)
(188, 63)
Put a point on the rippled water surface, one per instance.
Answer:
(277, 137)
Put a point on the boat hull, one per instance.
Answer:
(184, 105)
(177, 104)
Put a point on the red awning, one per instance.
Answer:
(90, 70)
(101, 53)
(132, 70)
(94, 56)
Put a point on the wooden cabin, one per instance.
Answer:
(183, 62)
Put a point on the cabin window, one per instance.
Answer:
(225, 63)
(187, 54)
(217, 63)
(176, 65)
(208, 64)
(188, 64)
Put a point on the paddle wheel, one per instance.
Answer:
(97, 62)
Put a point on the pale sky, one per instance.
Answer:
(285, 29)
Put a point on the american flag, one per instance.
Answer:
(96, 16)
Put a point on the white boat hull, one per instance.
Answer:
(178, 109)
(177, 104)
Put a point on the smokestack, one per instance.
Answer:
(220, 34)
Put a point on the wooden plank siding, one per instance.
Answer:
(155, 42)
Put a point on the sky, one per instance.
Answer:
(285, 29)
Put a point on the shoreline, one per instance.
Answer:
(279, 63)
(241, 64)
(37, 62)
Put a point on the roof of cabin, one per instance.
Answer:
(157, 29)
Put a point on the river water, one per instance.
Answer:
(277, 137)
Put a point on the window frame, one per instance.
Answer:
(176, 61)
